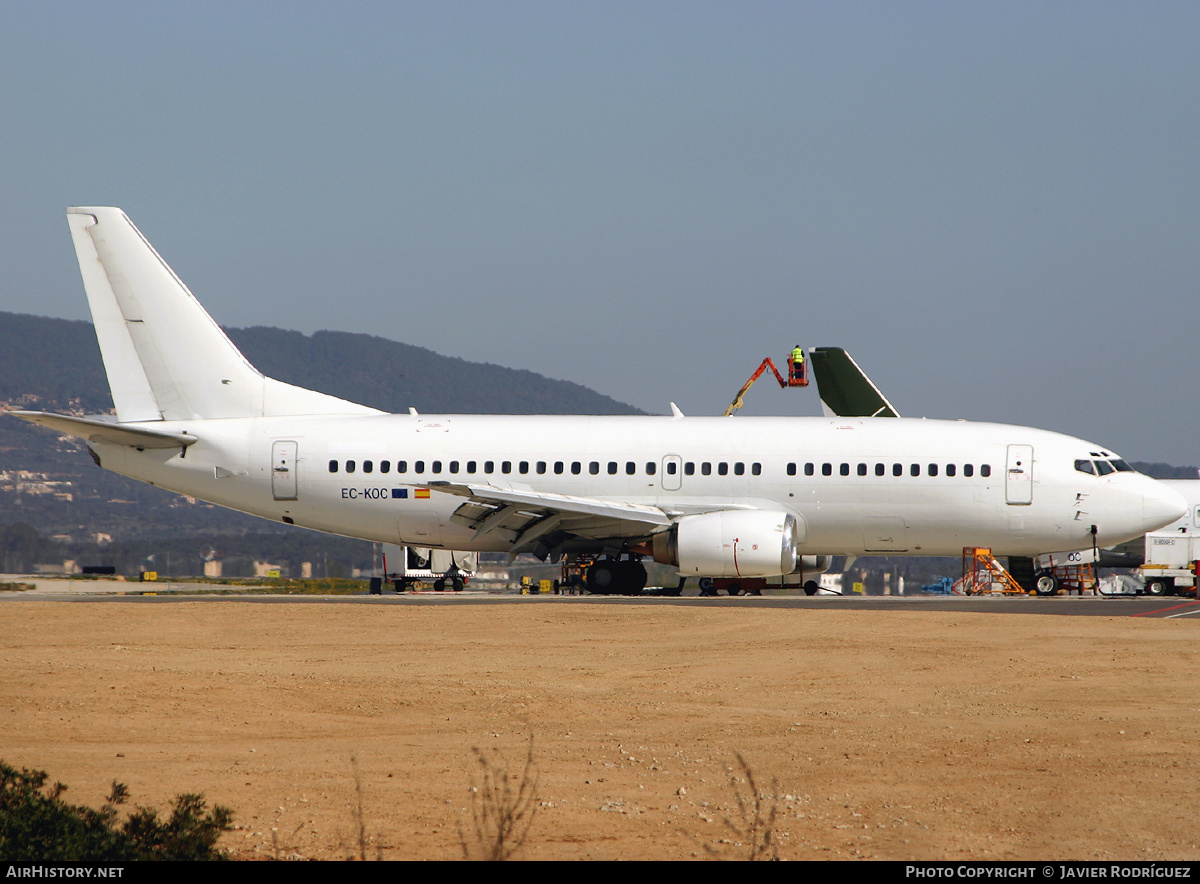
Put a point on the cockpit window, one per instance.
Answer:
(1121, 466)
(1085, 466)
(1103, 467)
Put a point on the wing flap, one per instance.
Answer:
(535, 521)
(542, 502)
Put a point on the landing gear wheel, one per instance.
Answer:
(706, 586)
(1046, 584)
(439, 585)
(734, 588)
(633, 577)
(457, 584)
(811, 587)
(1159, 586)
(602, 578)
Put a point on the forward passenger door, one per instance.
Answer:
(1018, 478)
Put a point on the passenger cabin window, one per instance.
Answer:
(523, 467)
(558, 468)
(809, 469)
(723, 468)
(706, 469)
(541, 467)
(385, 466)
(826, 469)
(349, 466)
(739, 469)
(915, 469)
(933, 469)
(968, 470)
(897, 469)
(506, 466)
(454, 466)
(689, 469)
(594, 468)
(845, 469)
(951, 469)
(333, 466)
(630, 468)
(419, 466)
(470, 466)
(791, 469)
(756, 469)
(670, 468)
(652, 467)
(401, 466)
(436, 467)
(985, 470)
(880, 469)
(368, 466)
(862, 469)
(489, 466)
(576, 468)
(612, 467)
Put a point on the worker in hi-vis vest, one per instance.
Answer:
(797, 361)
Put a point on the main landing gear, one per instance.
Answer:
(611, 576)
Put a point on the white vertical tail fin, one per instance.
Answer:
(165, 357)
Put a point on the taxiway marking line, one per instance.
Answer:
(1172, 608)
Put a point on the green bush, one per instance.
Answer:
(37, 825)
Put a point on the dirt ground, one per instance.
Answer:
(890, 735)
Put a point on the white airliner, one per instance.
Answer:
(713, 496)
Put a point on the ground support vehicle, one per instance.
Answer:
(412, 568)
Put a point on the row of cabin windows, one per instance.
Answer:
(541, 467)
(559, 467)
(862, 469)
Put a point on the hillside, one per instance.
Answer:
(58, 361)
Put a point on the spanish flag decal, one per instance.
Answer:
(421, 493)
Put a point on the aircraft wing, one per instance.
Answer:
(95, 429)
(533, 521)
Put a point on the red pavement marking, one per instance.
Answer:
(1161, 610)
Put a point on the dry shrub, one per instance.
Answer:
(502, 808)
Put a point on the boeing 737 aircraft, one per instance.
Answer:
(712, 496)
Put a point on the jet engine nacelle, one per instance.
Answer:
(730, 543)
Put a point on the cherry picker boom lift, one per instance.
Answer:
(796, 377)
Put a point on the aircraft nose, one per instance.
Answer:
(1161, 506)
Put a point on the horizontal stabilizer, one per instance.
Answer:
(95, 429)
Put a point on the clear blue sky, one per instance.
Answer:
(993, 206)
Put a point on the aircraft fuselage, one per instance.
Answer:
(917, 487)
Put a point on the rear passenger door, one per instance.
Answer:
(283, 470)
